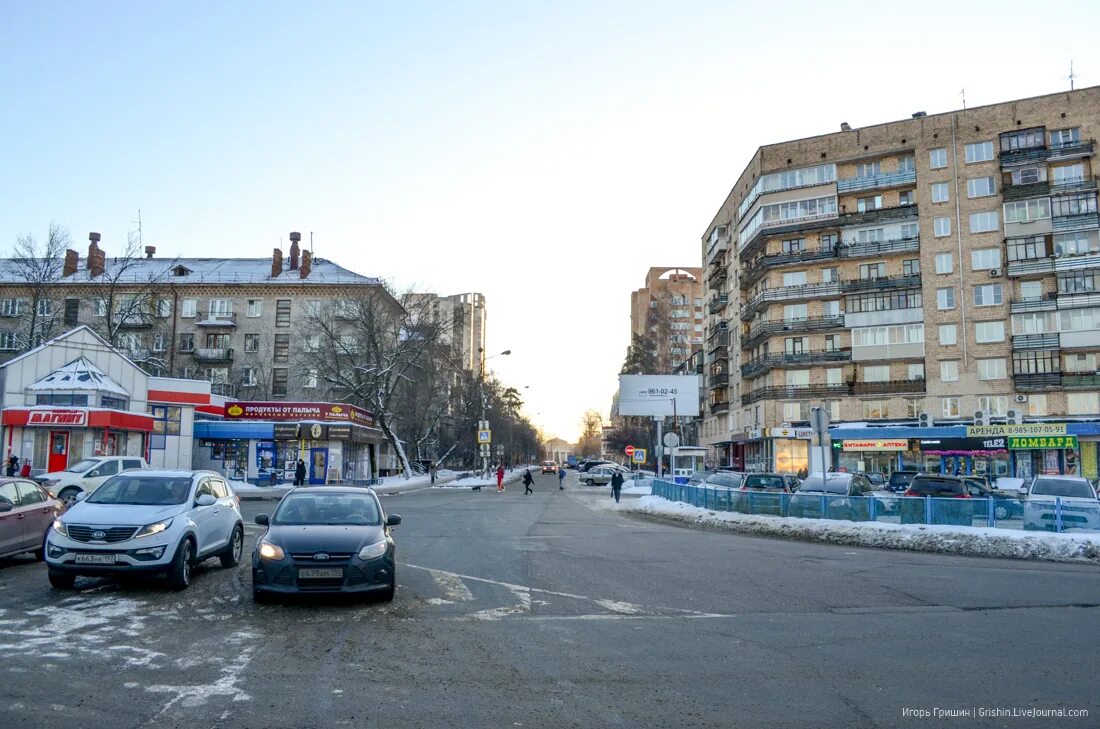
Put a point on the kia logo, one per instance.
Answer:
(98, 534)
(321, 557)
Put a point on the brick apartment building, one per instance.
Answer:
(669, 311)
(928, 274)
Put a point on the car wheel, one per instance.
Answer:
(68, 496)
(231, 555)
(1000, 511)
(387, 596)
(62, 581)
(179, 572)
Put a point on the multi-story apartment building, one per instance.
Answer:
(669, 311)
(944, 266)
(462, 318)
(241, 323)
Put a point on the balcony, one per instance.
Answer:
(1080, 339)
(1020, 157)
(781, 227)
(1076, 262)
(1031, 267)
(717, 275)
(1047, 188)
(217, 319)
(720, 379)
(718, 303)
(795, 393)
(719, 406)
(1035, 341)
(756, 269)
(1077, 301)
(1077, 380)
(211, 355)
(1037, 380)
(718, 343)
(1070, 150)
(890, 387)
(763, 330)
(883, 318)
(139, 354)
(878, 352)
(789, 293)
(879, 248)
(763, 364)
(876, 182)
(881, 215)
(1023, 306)
(881, 282)
(1070, 223)
(717, 247)
(135, 321)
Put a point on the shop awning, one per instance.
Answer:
(54, 417)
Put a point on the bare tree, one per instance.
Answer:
(40, 268)
(132, 289)
(591, 434)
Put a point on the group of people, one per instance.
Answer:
(617, 481)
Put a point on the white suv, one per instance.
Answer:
(87, 476)
(147, 522)
(1069, 499)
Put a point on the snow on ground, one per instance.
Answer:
(389, 484)
(975, 541)
(510, 476)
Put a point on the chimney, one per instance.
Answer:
(845, 127)
(150, 251)
(294, 250)
(72, 263)
(277, 262)
(97, 259)
(919, 114)
(307, 264)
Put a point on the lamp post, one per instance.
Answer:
(484, 403)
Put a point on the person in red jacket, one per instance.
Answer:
(500, 477)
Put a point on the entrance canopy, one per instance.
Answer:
(80, 374)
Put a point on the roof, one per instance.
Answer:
(80, 374)
(204, 271)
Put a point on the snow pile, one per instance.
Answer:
(389, 484)
(975, 541)
(510, 476)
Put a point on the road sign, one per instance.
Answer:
(484, 436)
(485, 449)
(819, 420)
(638, 455)
(671, 440)
(629, 450)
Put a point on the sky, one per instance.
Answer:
(543, 154)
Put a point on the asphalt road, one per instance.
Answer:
(552, 610)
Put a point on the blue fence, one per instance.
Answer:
(1005, 513)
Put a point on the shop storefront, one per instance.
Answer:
(791, 450)
(872, 455)
(966, 456)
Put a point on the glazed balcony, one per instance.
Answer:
(755, 270)
(1083, 300)
(774, 361)
(881, 282)
(790, 293)
(877, 182)
(1035, 341)
(1081, 381)
(796, 393)
(879, 248)
(1023, 306)
(1037, 380)
(1031, 267)
(763, 330)
(1079, 221)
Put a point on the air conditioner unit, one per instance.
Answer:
(1021, 398)
(981, 417)
(994, 272)
(925, 420)
(1014, 416)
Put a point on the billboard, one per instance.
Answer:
(653, 395)
(326, 411)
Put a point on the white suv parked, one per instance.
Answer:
(147, 522)
(1070, 499)
(87, 476)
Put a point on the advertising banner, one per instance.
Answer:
(659, 395)
(1018, 443)
(57, 417)
(985, 431)
(899, 444)
(332, 412)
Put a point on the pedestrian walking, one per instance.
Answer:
(500, 478)
(561, 477)
(527, 481)
(431, 472)
(13, 464)
(616, 485)
(300, 473)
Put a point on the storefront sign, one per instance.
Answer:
(57, 417)
(1017, 443)
(797, 433)
(931, 445)
(285, 431)
(901, 444)
(1040, 429)
(339, 432)
(329, 412)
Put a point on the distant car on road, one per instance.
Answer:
(1080, 506)
(87, 475)
(26, 512)
(549, 467)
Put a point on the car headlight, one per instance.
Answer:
(372, 551)
(59, 527)
(1036, 506)
(150, 529)
(271, 551)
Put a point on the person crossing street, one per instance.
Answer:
(616, 484)
(500, 478)
(561, 477)
(527, 481)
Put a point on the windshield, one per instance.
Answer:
(756, 481)
(929, 486)
(83, 465)
(837, 484)
(331, 509)
(1062, 487)
(729, 480)
(142, 490)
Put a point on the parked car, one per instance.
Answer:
(770, 494)
(26, 512)
(899, 480)
(86, 476)
(326, 539)
(147, 522)
(1006, 505)
(724, 479)
(601, 475)
(951, 500)
(585, 466)
(1080, 506)
(876, 479)
(839, 496)
(549, 467)
(698, 477)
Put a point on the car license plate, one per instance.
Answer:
(94, 559)
(320, 574)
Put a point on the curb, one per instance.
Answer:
(274, 493)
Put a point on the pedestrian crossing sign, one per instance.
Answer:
(638, 456)
(484, 436)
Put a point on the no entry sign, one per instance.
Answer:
(629, 450)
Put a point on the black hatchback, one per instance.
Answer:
(326, 539)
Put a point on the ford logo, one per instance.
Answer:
(98, 534)
(320, 557)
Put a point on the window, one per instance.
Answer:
(187, 342)
(872, 271)
(217, 341)
(1080, 362)
(1025, 211)
(282, 347)
(874, 202)
(869, 169)
(876, 373)
(221, 308)
(910, 267)
(876, 409)
(985, 258)
(910, 231)
(1031, 290)
(1023, 139)
(1026, 249)
(984, 222)
(99, 307)
(949, 407)
(884, 301)
(795, 245)
(937, 158)
(794, 278)
(871, 235)
(979, 152)
(309, 378)
(279, 381)
(255, 308)
(794, 312)
(912, 408)
(45, 307)
(8, 341)
(832, 342)
(941, 227)
(893, 334)
(792, 411)
(989, 331)
(248, 377)
(160, 342)
(905, 197)
(992, 369)
(77, 400)
(981, 187)
(162, 308)
(252, 342)
(915, 371)
(1068, 174)
(282, 313)
(829, 241)
(941, 192)
(948, 335)
(1074, 204)
(166, 421)
(995, 405)
(829, 275)
(949, 370)
(1029, 175)
(1036, 404)
(945, 298)
(1065, 137)
(945, 263)
(833, 408)
(1079, 243)
(832, 308)
(1077, 282)
(796, 345)
(72, 312)
(908, 163)
(188, 308)
(834, 376)
(1082, 403)
(677, 300)
(1035, 362)
(988, 295)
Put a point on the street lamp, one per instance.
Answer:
(481, 392)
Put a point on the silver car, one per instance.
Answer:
(1072, 496)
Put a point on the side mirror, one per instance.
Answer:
(393, 520)
(205, 500)
(82, 495)
(94, 473)
(6, 506)
(262, 519)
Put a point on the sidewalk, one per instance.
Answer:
(388, 485)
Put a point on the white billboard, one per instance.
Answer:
(654, 395)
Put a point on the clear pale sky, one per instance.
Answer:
(544, 154)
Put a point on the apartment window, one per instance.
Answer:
(44, 307)
(869, 169)
(905, 197)
(794, 312)
(915, 371)
(792, 411)
(698, 302)
(872, 270)
(796, 345)
(908, 163)
(986, 332)
(1068, 174)
(994, 405)
(832, 308)
(941, 227)
(834, 376)
(798, 378)
(937, 158)
(876, 409)
(1037, 405)
(99, 308)
(949, 370)
(833, 408)
(221, 308)
(876, 373)
(988, 295)
(251, 342)
(829, 241)
(794, 278)
(160, 342)
(945, 298)
(309, 378)
(1064, 137)
(910, 267)
(248, 377)
(984, 222)
(1031, 290)
(1035, 362)
(1074, 204)
(1025, 211)
(255, 308)
(948, 335)
(945, 263)
(188, 308)
(1079, 243)
(1082, 362)
(979, 152)
(832, 342)
(1027, 249)
(893, 334)
(873, 202)
(985, 258)
(1023, 139)
(1082, 403)
(941, 192)
(279, 381)
(217, 341)
(282, 312)
(912, 408)
(885, 301)
(1029, 175)
(992, 369)
(72, 312)
(8, 341)
(981, 187)
(910, 231)
(949, 407)
(313, 310)
(1078, 282)
(830, 275)
(187, 342)
(794, 245)
(282, 347)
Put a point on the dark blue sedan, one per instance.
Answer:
(326, 539)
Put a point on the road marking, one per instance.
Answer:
(452, 585)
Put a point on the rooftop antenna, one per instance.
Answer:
(1072, 75)
(963, 92)
(138, 221)
(312, 252)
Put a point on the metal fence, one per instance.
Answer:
(1050, 514)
